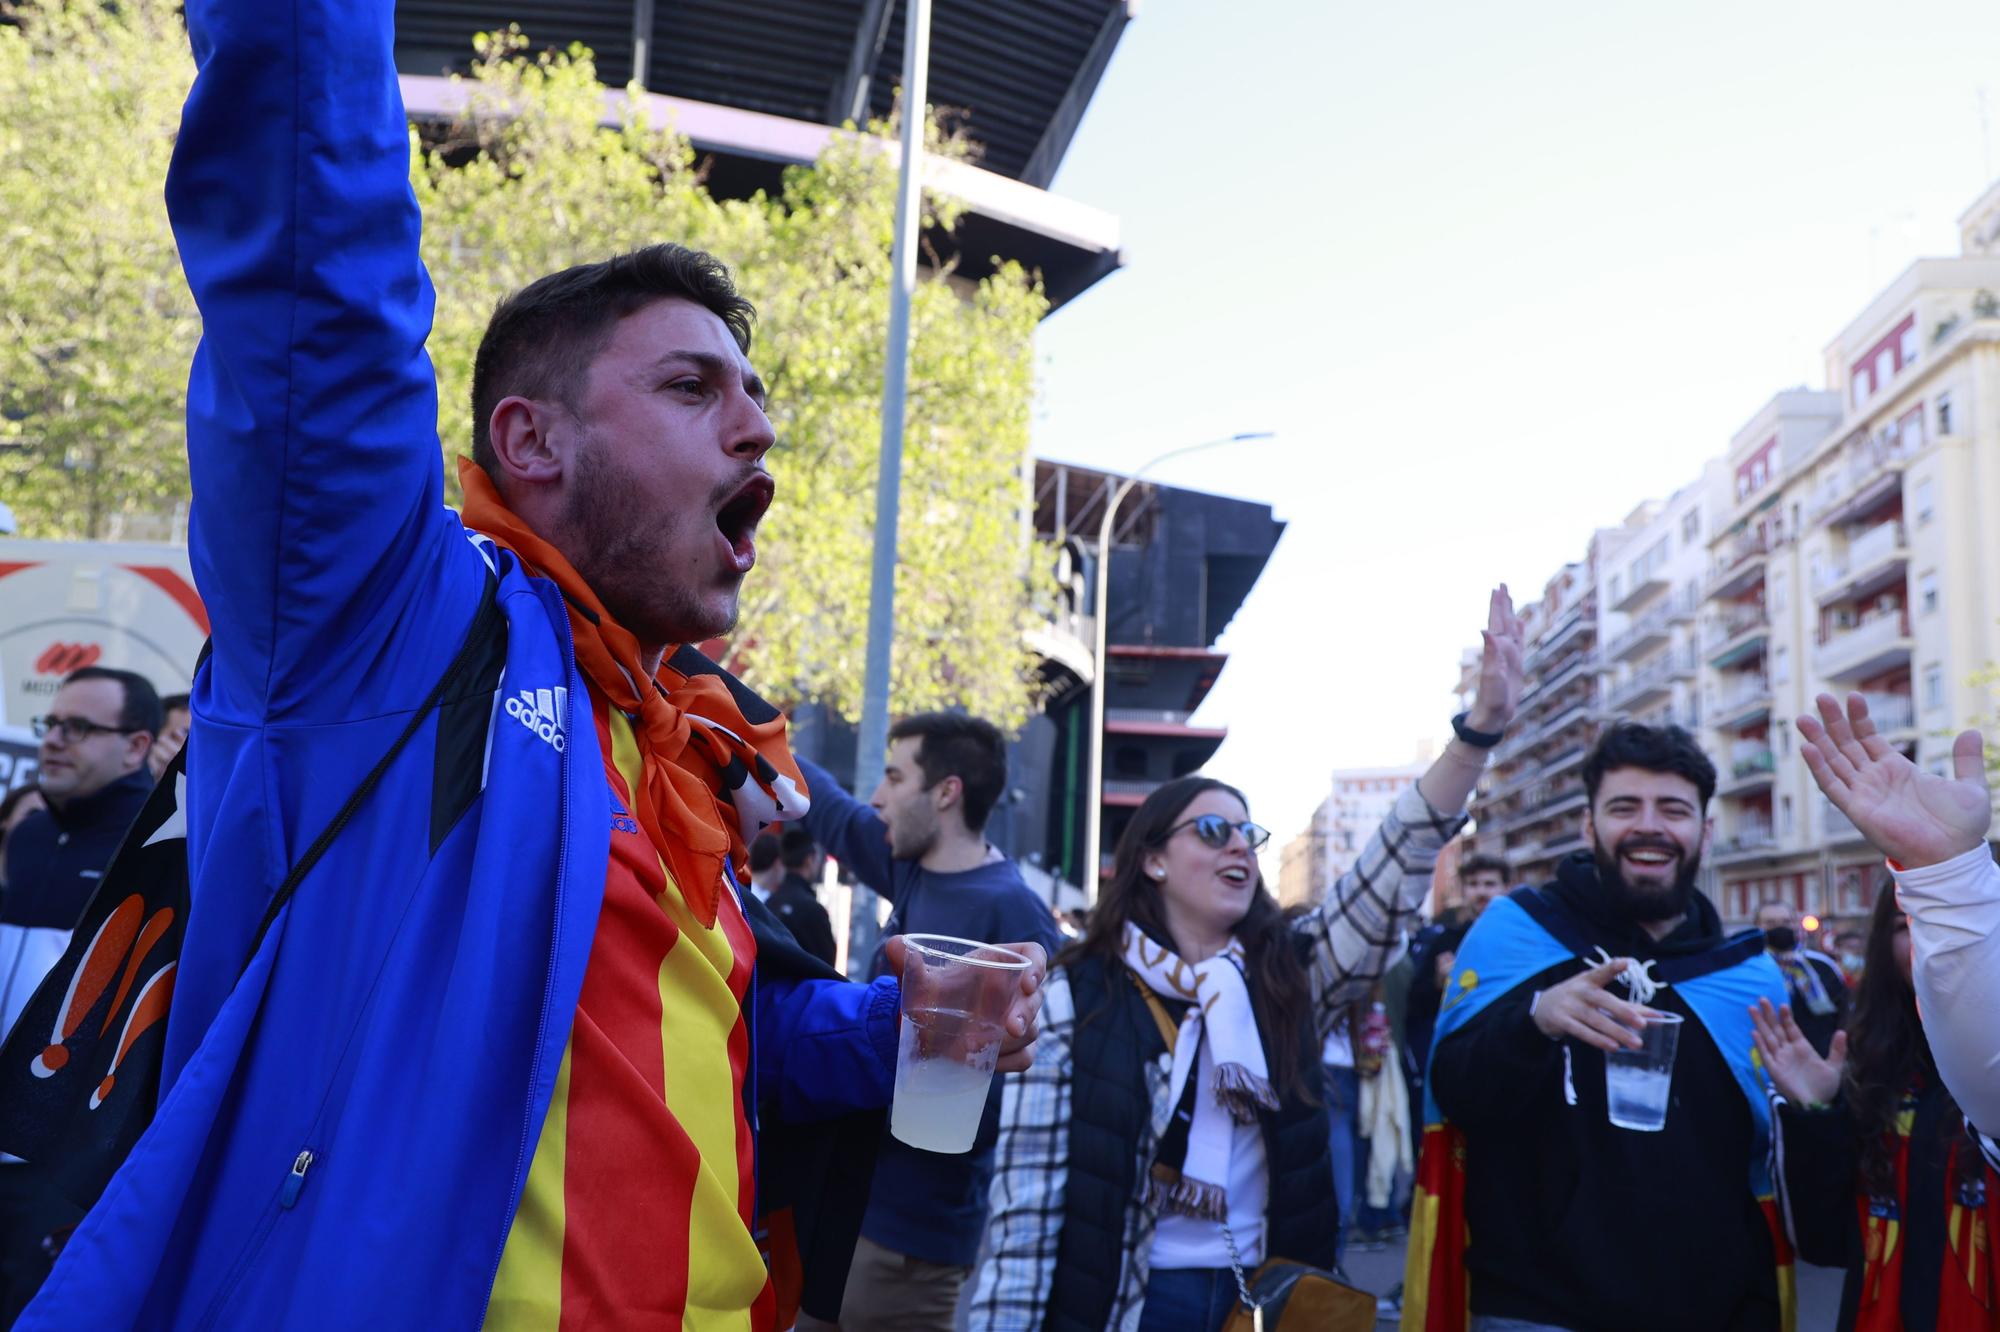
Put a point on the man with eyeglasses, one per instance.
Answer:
(94, 778)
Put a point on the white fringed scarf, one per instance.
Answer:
(1220, 1045)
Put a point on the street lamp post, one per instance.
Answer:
(1093, 825)
(873, 742)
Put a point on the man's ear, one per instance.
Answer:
(1589, 828)
(950, 793)
(521, 431)
(137, 746)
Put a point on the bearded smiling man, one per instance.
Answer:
(1574, 1222)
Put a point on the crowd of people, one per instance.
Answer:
(500, 995)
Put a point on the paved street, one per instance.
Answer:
(1819, 1287)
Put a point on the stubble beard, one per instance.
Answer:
(621, 554)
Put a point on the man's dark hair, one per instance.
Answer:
(950, 744)
(1478, 862)
(141, 709)
(796, 847)
(541, 341)
(1653, 748)
(763, 853)
(170, 702)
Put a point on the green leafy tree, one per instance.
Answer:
(531, 179)
(96, 324)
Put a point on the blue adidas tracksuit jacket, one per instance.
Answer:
(404, 1018)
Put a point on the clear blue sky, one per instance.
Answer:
(1496, 274)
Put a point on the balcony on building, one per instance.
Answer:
(1574, 624)
(1647, 583)
(1877, 642)
(1877, 557)
(1739, 566)
(1736, 633)
(1649, 629)
(1751, 768)
(1751, 838)
(1646, 684)
(1871, 475)
(1743, 698)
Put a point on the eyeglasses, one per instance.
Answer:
(1214, 830)
(76, 728)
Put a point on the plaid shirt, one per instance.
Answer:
(1352, 932)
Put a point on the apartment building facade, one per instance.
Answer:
(1841, 545)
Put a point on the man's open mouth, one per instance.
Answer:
(737, 520)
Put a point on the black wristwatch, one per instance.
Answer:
(1477, 739)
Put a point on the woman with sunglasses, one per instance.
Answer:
(1174, 1128)
(1878, 1172)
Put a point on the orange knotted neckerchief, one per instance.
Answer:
(712, 779)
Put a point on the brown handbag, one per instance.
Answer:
(1284, 1296)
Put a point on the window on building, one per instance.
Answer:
(1944, 412)
(1926, 501)
(1908, 345)
(1129, 761)
(1757, 474)
(1778, 591)
(1857, 387)
(1784, 742)
(1885, 367)
(1691, 527)
(1784, 816)
(1781, 666)
(1927, 592)
(1933, 688)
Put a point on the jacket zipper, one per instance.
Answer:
(296, 1180)
(555, 949)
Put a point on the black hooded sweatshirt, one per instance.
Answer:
(1581, 1224)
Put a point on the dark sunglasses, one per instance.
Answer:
(76, 728)
(1214, 830)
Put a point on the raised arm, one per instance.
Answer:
(1353, 928)
(846, 829)
(1933, 830)
(318, 525)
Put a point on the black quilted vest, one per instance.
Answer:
(1114, 1040)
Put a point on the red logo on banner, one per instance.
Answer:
(62, 658)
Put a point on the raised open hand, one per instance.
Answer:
(1503, 646)
(1913, 817)
(1795, 1068)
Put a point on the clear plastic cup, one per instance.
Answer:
(956, 993)
(1637, 1082)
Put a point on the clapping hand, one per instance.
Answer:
(1795, 1068)
(1913, 817)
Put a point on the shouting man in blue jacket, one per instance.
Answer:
(517, 1050)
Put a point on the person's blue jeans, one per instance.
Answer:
(1343, 1089)
(1188, 1299)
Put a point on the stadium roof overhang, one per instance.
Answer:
(757, 87)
